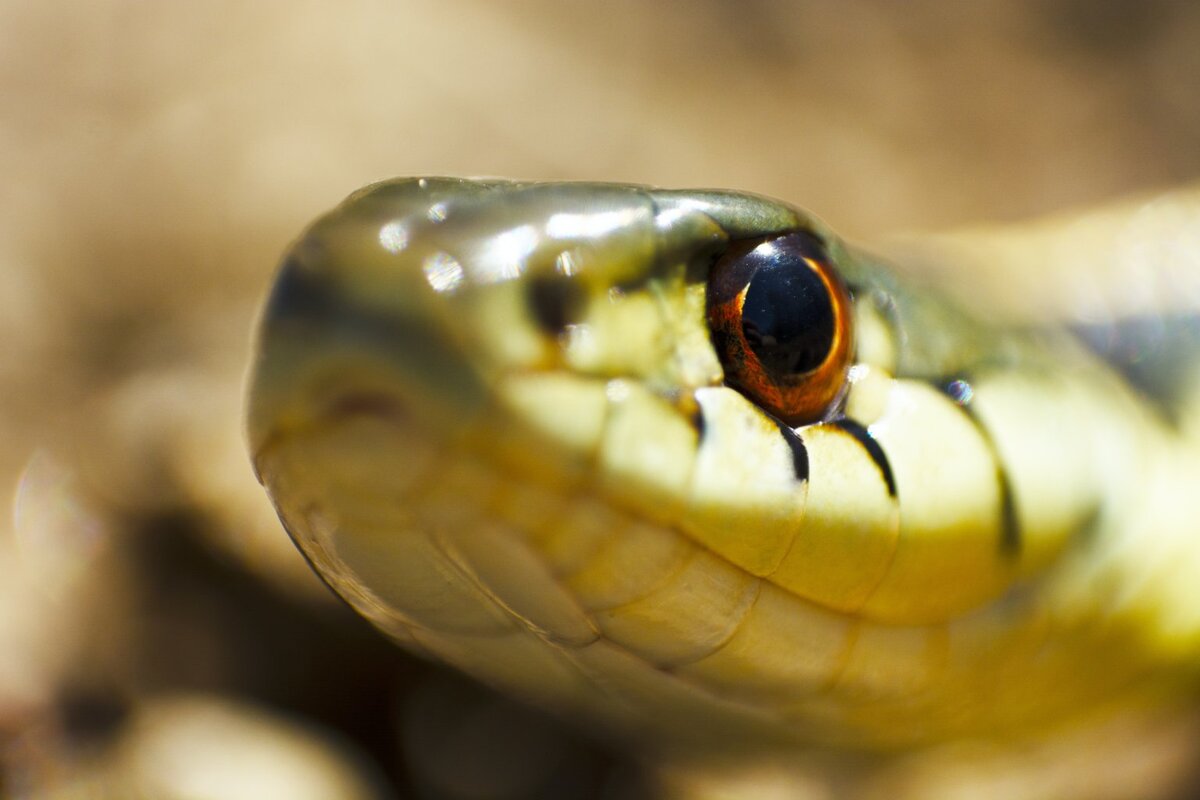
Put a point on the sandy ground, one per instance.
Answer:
(157, 157)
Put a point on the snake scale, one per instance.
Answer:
(684, 466)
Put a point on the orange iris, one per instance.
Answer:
(780, 318)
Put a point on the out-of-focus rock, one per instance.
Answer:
(59, 578)
(206, 748)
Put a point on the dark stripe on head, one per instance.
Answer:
(1148, 351)
(871, 445)
(300, 292)
(799, 452)
(556, 301)
(962, 393)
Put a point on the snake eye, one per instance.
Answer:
(780, 320)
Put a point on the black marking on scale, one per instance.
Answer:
(1010, 530)
(873, 448)
(799, 451)
(699, 424)
(961, 391)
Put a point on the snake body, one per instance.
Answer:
(494, 417)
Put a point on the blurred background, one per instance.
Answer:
(158, 635)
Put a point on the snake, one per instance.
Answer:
(685, 467)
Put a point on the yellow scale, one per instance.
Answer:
(496, 418)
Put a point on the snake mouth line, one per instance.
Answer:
(344, 406)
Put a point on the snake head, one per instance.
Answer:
(647, 454)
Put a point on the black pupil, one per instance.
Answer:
(787, 316)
